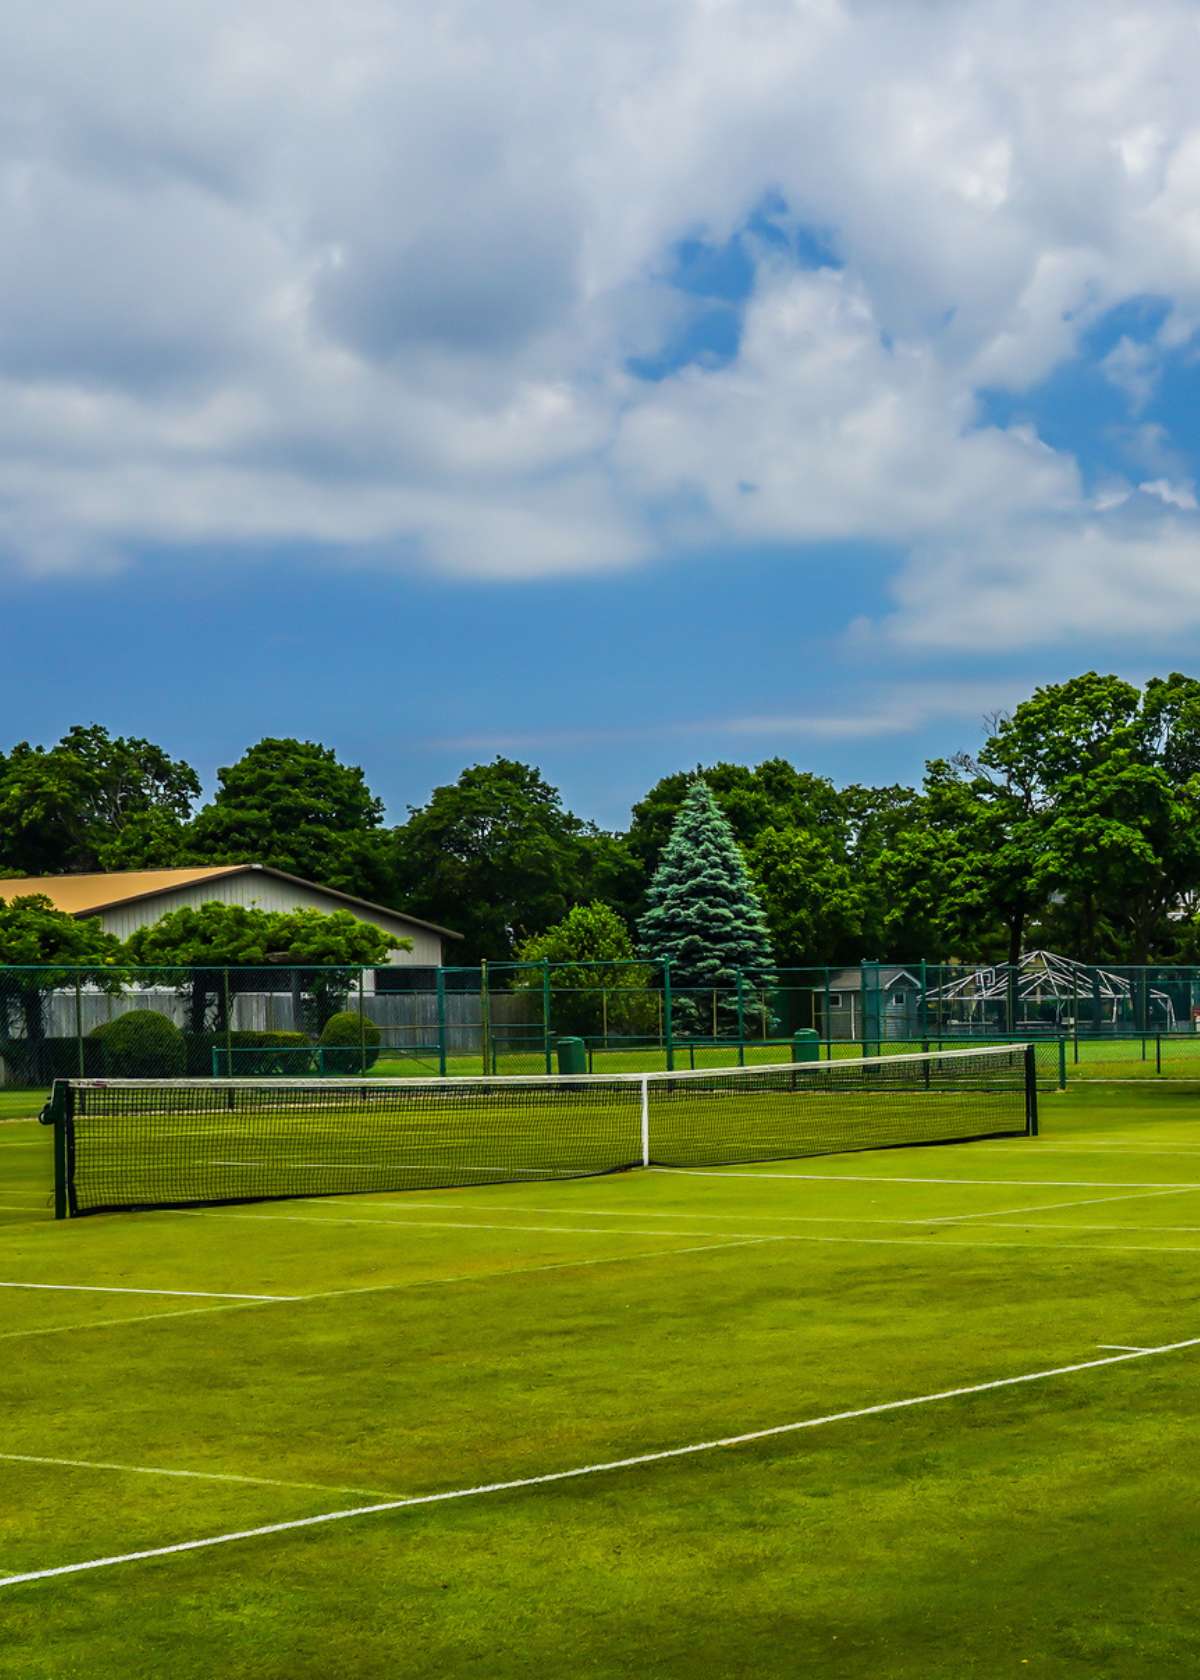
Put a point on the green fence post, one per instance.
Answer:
(1062, 1064)
(546, 1014)
(440, 984)
(485, 1026)
(741, 1021)
(79, 1026)
(828, 1023)
(228, 1026)
(1158, 1052)
(922, 1006)
(668, 1031)
(362, 1027)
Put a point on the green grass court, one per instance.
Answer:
(179, 1377)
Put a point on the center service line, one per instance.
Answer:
(610, 1465)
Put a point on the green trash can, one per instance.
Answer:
(806, 1045)
(572, 1055)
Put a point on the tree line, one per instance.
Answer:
(1074, 824)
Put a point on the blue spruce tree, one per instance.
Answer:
(704, 914)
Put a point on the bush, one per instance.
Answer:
(349, 1043)
(37, 1063)
(142, 1045)
(255, 1054)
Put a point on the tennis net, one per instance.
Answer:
(137, 1144)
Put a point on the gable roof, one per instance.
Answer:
(89, 895)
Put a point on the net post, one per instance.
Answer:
(645, 1122)
(57, 1113)
(1031, 1097)
(440, 985)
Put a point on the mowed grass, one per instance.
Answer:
(445, 1340)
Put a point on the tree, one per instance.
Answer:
(704, 914)
(794, 830)
(318, 954)
(70, 807)
(42, 948)
(496, 857)
(597, 986)
(292, 805)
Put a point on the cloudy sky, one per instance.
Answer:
(618, 386)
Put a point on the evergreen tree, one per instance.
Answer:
(704, 914)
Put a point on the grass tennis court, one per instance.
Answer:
(180, 1377)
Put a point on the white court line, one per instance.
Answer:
(636, 1461)
(886, 1178)
(1049, 1207)
(441, 1224)
(115, 1289)
(407, 1283)
(1122, 1347)
(187, 1475)
(787, 1236)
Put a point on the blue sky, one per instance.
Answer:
(791, 376)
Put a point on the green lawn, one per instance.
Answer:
(447, 1340)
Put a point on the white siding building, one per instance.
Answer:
(129, 899)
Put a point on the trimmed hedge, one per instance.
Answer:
(255, 1054)
(141, 1044)
(349, 1042)
(34, 1063)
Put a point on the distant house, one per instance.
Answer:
(126, 900)
(892, 1006)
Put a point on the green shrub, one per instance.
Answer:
(349, 1043)
(142, 1045)
(35, 1063)
(256, 1055)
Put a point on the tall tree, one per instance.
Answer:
(74, 806)
(295, 806)
(496, 857)
(704, 914)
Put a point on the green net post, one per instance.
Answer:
(668, 1033)
(546, 1014)
(57, 1113)
(440, 984)
(1031, 1100)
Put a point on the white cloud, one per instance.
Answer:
(368, 275)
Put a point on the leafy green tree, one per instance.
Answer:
(496, 857)
(294, 806)
(704, 914)
(597, 986)
(813, 901)
(72, 806)
(42, 948)
(195, 947)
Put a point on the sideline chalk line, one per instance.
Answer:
(633, 1462)
(187, 1475)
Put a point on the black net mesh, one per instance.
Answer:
(131, 1144)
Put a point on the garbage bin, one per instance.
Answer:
(806, 1045)
(572, 1055)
